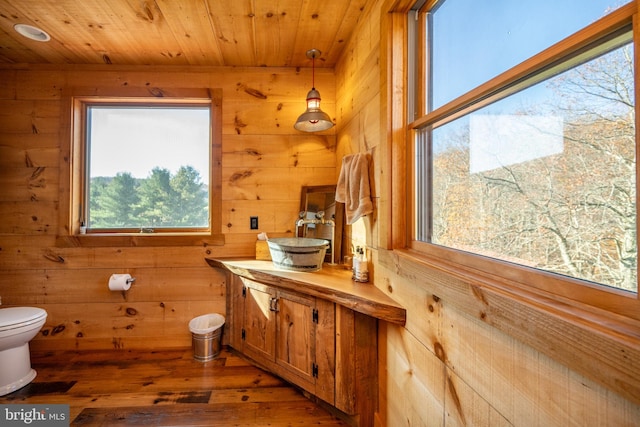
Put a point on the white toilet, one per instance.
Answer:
(18, 325)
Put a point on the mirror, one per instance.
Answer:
(323, 198)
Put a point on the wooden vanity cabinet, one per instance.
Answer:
(288, 333)
(316, 330)
(326, 349)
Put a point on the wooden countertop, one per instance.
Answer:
(330, 283)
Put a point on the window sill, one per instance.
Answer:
(600, 345)
(140, 240)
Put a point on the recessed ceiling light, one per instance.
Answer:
(31, 32)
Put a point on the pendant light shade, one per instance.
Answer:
(313, 119)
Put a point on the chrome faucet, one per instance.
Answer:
(319, 219)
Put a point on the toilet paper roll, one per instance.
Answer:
(119, 282)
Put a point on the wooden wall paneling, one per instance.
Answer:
(8, 84)
(271, 117)
(28, 143)
(152, 80)
(316, 151)
(25, 117)
(69, 277)
(254, 151)
(414, 389)
(12, 155)
(275, 216)
(248, 84)
(120, 326)
(28, 184)
(28, 217)
(276, 84)
(515, 381)
(272, 183)
(129, 257)
(89, 285)
(464, 407)
(34, 84)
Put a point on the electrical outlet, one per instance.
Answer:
(253, 223)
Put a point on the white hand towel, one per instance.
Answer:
(353, 187)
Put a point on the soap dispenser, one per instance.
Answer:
(360, 266)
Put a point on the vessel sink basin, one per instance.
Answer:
(298, 253)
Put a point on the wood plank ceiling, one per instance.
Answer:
(272, 33)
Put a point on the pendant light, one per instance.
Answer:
(313, 119)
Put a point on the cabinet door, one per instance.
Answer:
(259, 320)
(296, 335)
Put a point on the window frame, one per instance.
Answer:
(561, 288)
(599, 344)
(74, 157)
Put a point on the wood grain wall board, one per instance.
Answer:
(240, 84)
(89, 285)
(280, 85)
(267, 117)
(28, 184)
(273, 216)
(476, 411)
(414, 389)
(241, 151)
(28, 217)
(14, 156)
(122, 325)
(24, 117)
(272, 183)
(255, 151)
(314, 152)
(50, 83)
(356, 94)
(33, 142)
(8, 84)
(70, 258)
(12, 242)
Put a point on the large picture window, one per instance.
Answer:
(147, 167)
(144, 169)
(525, 146)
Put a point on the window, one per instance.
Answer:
(147, 167)
(143, 167)
(525, 145)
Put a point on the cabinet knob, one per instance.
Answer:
(273, 305)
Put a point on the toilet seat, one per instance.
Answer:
(18, 317)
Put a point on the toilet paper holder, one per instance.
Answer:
(120, 282)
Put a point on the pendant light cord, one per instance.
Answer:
(313, 71)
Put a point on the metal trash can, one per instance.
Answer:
(206, 331)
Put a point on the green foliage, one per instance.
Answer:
(158, 201)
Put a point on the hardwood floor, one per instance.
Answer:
(166, 388)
